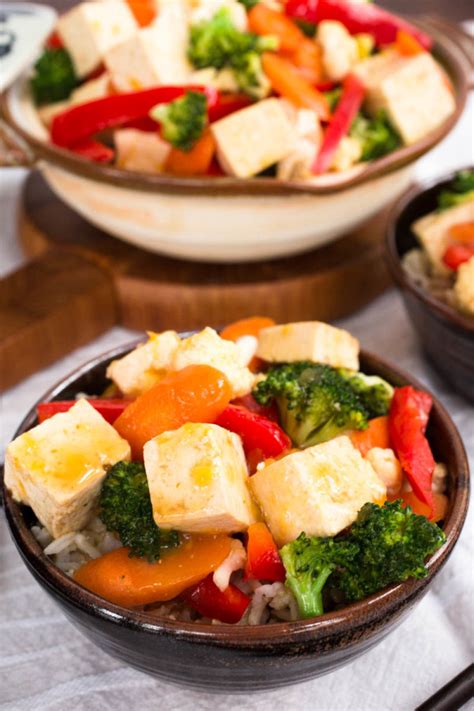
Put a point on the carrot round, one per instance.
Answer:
(246, 327)
(144, 11)
(197, 161)
(198, 393)
(130, 582)
(440, 505)
(287, 81)
(376, 435)
(462, 232)
(263, 20)
(407, 44)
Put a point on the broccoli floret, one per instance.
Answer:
(386, 544)
(462, 190)
(393, 545)
(54, 78)
(183, 120)
(218, 43)
(249, 4)
(333, 96)
(314, 401)
(375, 393)
(125, 508)
(308, 563)
(376, 135)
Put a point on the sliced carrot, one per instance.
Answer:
(198, 393)
(376, 435)
(197, 161)
(308, 59)
(462, 232)
(407, 45)
(264, 21)
(440, 505)
(130, 582)
(288, 82)
(246, 327)
(144, 11)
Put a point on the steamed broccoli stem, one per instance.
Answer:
(54, 77)
(218, 43)
(125, 509)
(183, 120)
(316, 403)
(308, 592)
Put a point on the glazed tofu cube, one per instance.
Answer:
(140, 150)
(58, 467)
(197, 478)
(339, 49)
(464, 287)
(319, 490)
(309, 340)
(146, 365)
(432, 230)
(155, 55)
(412, 90)
(208, 348)
(90, 29)
(254, 138)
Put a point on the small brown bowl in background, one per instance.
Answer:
(229, 658)
(447, 335)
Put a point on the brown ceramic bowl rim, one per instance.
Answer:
(446, 48)
(444, 311)
(330, 624)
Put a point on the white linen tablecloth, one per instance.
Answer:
(46, 664)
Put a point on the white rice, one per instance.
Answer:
(270, 603)
(417, 267)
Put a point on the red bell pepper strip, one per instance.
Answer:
(54, 41)
(263, 559)
(228, 104)
(256, 432)
(80, 122)
(206, 598)
(408, 418)
(93, 150)
(457, 254)
(357, 17)
(347, 107)
(249, 402)
(109, 409)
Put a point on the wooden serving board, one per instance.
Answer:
(82, 281)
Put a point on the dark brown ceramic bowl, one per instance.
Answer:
(447, 336)
(224, 658)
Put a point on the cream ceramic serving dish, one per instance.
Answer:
(226, 219)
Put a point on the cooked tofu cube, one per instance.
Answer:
(412, 90)
(254, 138)
(339, 49)
(319, 490)
(58, 467)
(155, 55)
(432, 231)
(208, 348)
(204, 10)
(309, 340)
(90, 29)
(140, 150)
(146, 365)
(197, 478)
(464, 287)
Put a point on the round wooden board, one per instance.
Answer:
(82, 281)
(157, 292)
